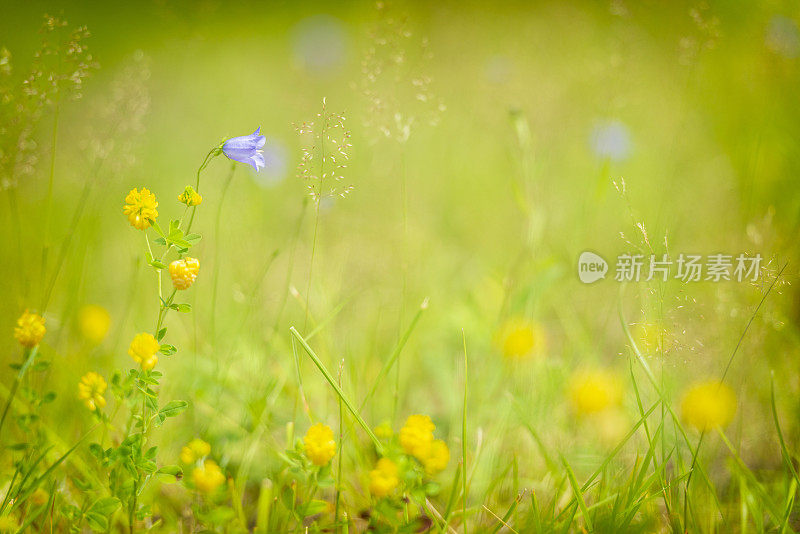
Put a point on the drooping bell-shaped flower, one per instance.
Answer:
(246, 149)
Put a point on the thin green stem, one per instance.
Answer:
(48, 204)
(27, 358)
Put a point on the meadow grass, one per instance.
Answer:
(382, 328)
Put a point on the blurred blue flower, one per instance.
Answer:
(276, 157)
(611, 140)
(783, 36)
(245, 149)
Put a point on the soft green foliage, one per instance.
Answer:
(433, 172)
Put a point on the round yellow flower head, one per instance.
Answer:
(94, 322)
(143, 350)
(416, 436)
(190, 197)
(437, 458)
(708, 405)
(319, 444)
(383, 479)
(194, 450)
(91, 389)
(30, 329)
(208, 477)
(140, 207)
(184, 272)
(39, 497)
(591, 392)
(519, 339)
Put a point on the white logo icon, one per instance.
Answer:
(591, 267)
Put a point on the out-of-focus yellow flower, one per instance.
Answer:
(708, 405)
(91, 389)
(184, 272)
(591, 392)
(140, 207)
(610, 426)
(437, 458)
(383, 479)
(194, 450)
(9, 523)
(94, 322)
(30, 329)
(520, 338)
(384, 431)
(143, 350)
(190, 197)
(208, 477)
(39, 497)
(319, 444)
(416, 436)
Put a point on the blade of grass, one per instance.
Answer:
(336, 388)
(578, 494)
(387, 366)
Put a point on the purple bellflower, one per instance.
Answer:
(246, 149)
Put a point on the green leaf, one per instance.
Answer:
(170, 473)
(184, 308)
(167, 349)
(173, 408)
(161, 333)
(313, 507)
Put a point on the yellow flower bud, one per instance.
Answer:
(91, 389)
(143, 350)
(140, 207)
(184, 272)
(30, 329)
(94, 322)
(190, 197)
(708, 405)
(208, 477)
(319, 444)
(383, 479)
(194, 450)
(416, 436)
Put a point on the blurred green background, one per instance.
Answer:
(530, 112)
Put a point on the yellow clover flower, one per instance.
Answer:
(708, 405)
(416, 436)
(91, 389)
(591, 392)
(30, 329)
(190, 197)
(438, 457)
(194, 450)
(140, 207)
(94, 321)
(184, 272)
(208, 477)
(520, 338)
(319, 444)
(383, 479)
(143, 350)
